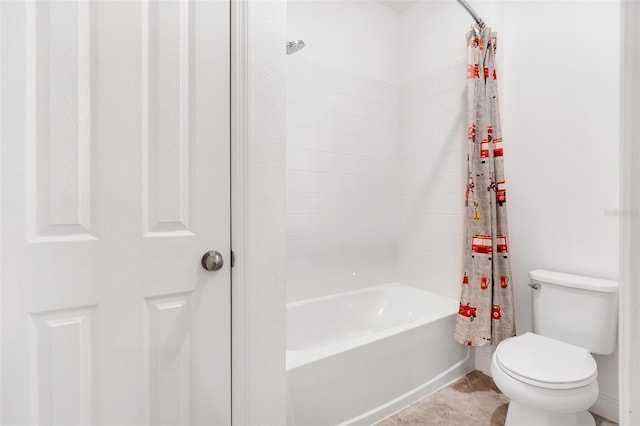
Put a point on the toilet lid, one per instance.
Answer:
(545, 362)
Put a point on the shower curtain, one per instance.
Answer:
(485, 313)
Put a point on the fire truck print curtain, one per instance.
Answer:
(485, 314)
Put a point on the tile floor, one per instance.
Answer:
(474, 399)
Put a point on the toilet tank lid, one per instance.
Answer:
(576, 281)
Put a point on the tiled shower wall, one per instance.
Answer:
(431, 164)
(342, 217)
(374, 153)
(433, 147)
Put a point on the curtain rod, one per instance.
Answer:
(472, 12)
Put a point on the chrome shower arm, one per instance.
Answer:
(472, 12)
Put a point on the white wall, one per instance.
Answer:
(560, 104)
(341, 147)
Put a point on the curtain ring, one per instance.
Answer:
(476, 29)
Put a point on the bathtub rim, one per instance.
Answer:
(301, 357)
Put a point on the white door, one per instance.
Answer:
(114, 145)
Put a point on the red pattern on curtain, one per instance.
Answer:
(486, 313)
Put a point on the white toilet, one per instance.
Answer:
(549, 375)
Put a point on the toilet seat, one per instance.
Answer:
(546, 363)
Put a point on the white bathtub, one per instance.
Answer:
(357, 357)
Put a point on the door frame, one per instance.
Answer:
(629, 320)
(258, 215)
(1, 284)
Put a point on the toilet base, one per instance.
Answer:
(521, 415)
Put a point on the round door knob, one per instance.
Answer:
(212, 261)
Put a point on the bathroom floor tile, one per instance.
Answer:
(474, 399)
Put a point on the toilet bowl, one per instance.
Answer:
(549, 382)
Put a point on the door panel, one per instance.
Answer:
(115, 181)
(167, 115)
(60, 115)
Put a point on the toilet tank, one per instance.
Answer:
(574, 309)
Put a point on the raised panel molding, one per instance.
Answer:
(60, 369)
(167, 359)
(167, 118)
(61, 119)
